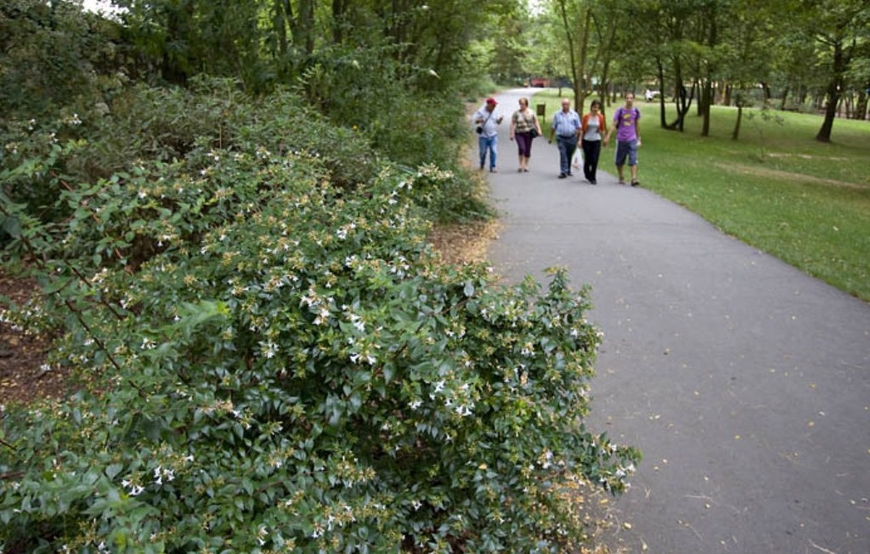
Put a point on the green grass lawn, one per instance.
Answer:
(775, 188)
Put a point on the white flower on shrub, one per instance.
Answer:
(357, 322)
(269, 349)
(342, 232)
(622, 472)
(322, 316)
(134, 488)
(528, 349)
(546, 459)
(262, 533)
(161, 473)
(311, 300)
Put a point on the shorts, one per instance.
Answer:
(627, 149)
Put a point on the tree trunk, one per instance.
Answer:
(784, 99)
(861, 105)
(605, 68)
(736, 133)
(302, 25)
(680, 98)
(833, 93)
(706, 100)
(661, 77)
(563, 10)
(580, 91)
(767, 94)
(338, 9)
(175, 65)
(707, 86)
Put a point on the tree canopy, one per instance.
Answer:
(734, 52)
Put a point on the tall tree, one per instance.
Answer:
(748, 47)
(839, 26)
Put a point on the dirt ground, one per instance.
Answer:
(24, 375)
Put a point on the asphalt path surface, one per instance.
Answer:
(745, 382)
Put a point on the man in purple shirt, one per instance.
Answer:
(626, 121)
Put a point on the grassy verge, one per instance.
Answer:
(775, 188)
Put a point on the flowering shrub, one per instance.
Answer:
(148, 129)
(275, 363)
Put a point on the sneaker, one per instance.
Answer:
(622, 181)
(634, 183)
(493, 170)
(593, 181)
(562, 175)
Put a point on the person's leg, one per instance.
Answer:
(564, 159)
(527, 154)
(594, 154)
(493, 154)
(522, 146)
(482, 144)
(587, 160)
(632, 163)
(621, 153)
(572, 149)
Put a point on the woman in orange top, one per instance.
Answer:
(594, 129)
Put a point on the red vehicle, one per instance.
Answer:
(539, 82)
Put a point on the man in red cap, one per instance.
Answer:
(487, 131)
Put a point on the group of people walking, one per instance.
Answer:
(569, 130)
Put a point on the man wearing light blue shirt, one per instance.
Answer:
(566, 127)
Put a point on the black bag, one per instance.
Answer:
(479, 128)
(534, 132)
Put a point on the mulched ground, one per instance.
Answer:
(23, 377)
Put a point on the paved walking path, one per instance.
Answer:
(745, 383)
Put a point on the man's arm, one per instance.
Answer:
(553, 127)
